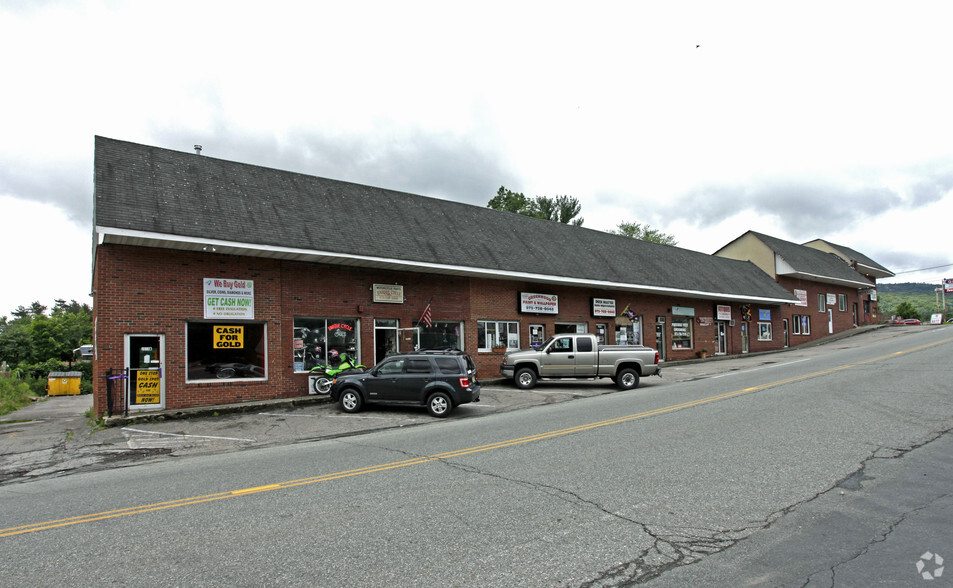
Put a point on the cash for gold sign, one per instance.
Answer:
(228, 337)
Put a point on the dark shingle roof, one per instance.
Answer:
(149, 190)
(813, 262)
(859, 258)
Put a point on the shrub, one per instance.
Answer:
(14, 394)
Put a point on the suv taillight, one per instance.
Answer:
(464, 382)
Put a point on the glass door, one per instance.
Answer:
(660, 337)
(385, 338)
(145, 360)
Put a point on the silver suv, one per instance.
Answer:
(439, 379)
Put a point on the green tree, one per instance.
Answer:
(906, 310)
(509, 201)
(644, 232)
(35, 337)
(561, 209)
(16, 343)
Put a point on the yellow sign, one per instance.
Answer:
(228, 337)
(147, 387)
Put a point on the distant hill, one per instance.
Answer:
(908, 288)
(920, 295)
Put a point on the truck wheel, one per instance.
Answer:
(351, 401)
(439, 404)
(627, 379)
(525, 378)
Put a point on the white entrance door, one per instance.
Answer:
(145, 360)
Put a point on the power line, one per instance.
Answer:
(923, 269)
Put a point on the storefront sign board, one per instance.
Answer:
(229, 299)
(603, 307)
(539, 303)
(801, 297)
(389, 293)
(228, 337)
(147, 387)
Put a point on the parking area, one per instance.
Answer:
(51, 443)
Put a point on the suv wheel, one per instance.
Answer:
(351, 401)
(439, 404)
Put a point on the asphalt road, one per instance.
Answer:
(828, 466)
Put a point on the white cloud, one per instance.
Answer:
(45, 256)
(702, 119)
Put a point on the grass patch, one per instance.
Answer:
(14, 395)
(95, 424)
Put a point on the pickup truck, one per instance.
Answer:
(577, 355)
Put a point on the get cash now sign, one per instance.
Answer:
(229, 299)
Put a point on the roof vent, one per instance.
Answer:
(198, 150)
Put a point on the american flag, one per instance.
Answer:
(426, 317)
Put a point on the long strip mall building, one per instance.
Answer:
(222, 282)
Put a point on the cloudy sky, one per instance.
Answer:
(702, 119)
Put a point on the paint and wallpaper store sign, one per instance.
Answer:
(539, 303)
(229, 299)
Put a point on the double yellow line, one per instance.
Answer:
(134, 510)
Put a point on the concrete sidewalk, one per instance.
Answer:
(54, 437)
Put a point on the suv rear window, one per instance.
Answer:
(417, 366)
(448, 365)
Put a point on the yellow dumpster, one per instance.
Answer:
(63, 383)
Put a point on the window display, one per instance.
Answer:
(318, 341)
(442, 334)
(492, 334)
(225, 350)
(681, 333)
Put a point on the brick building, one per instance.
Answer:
(870, 269)
(832, 295)
(218, 282)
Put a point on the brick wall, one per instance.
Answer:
(157, 291)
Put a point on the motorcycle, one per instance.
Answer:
(323, 375)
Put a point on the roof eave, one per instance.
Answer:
(828, 280)
(877, 272)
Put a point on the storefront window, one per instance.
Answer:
(630, 334)
(802, 324)
(764, 331)
(681, 333)
(442, 334)
(321, 341)
(225, 350)
(491, 334)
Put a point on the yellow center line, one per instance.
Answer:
(134, 510)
